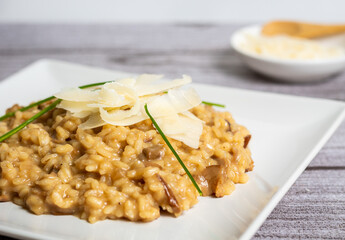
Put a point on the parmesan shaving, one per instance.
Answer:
(93, 121)
(77, 95)
(175, 101)
(145, 89)
(122, 102)
(182, 128)
(76, 106)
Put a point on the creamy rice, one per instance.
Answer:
(52, 167)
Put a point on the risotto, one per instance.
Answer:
(53, 166)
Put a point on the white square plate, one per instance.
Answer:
(287, 133)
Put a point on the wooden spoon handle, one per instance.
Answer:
(303, 30)
(316, 31)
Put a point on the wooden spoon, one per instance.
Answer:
(299, 29)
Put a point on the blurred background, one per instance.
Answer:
(157, 11)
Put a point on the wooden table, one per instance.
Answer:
(315, 205)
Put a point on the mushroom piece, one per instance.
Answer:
(229, 125)
(214, 179)
(209, 179)
(154, 152)
(170, 195)
(246, 140)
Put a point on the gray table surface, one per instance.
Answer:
(314, 208)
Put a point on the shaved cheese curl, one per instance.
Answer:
(121, 103)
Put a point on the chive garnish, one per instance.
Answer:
(27, 122)
(172, 150)
(94, 84)
(11, 114)
(213, 104)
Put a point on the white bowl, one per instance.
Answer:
(289, 70)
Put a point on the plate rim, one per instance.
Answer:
(273, 202)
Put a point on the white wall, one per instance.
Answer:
(101, 11)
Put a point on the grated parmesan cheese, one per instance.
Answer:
(284, 47)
